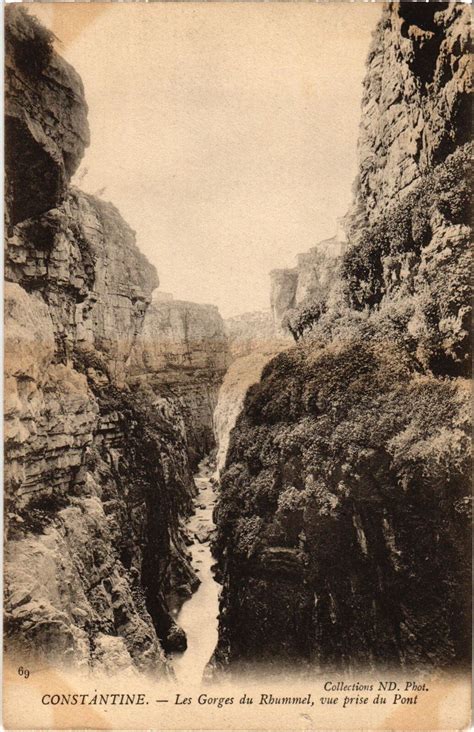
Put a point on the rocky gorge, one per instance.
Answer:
(338, 511)
(109, 397)
(343, 519)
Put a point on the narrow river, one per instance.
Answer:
(198, 615)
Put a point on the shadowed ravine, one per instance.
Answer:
(198, 615)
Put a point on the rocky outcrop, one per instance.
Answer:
(416, 104)
(343, 521)
(98, 479)
(82, 257)
(182, 347)
(46, 127)
(300, 295)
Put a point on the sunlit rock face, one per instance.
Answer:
(253, 340)
(43, 400)
(250, 333)
(98, 477)
(343, 523)
(284, 283)
(180, 336)
(82, 257)
(182, 347)
(241, 374)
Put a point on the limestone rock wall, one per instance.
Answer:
(250, 332)
(253, 341)
(182, 347)
(243, 372)
(284, 283)
(46, 127)
(82, 257)
(98, 478)
(409, 227)
(416, 102)
(75, 563)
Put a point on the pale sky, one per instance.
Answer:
(224, 133)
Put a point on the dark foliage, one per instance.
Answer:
(340, 457)
(405, 227)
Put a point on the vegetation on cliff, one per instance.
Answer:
(343, 524)
(350, 456)
(407, 273)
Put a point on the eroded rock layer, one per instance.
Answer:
(98, 478)
(343, 523)
(182, 347)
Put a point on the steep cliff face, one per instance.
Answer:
(416, 102)
(252, 340)
(410, 223)
(98, 478)
(241, 375)
(72, 593)
(82, 257)
(182, 346)
(282, 294)
(343, 523)
(46, 126)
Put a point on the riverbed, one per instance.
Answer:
(198, 615)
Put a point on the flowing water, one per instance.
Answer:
(198, 615)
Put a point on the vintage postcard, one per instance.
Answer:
(237, 366)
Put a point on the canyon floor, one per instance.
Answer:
(198, 616)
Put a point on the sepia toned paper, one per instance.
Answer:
(237, 366)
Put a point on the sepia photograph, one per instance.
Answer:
(237, 365)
